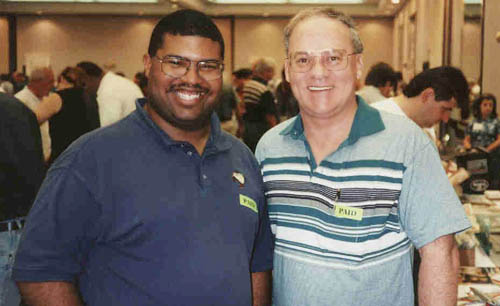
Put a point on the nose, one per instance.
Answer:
(192, 76)
(318, 69)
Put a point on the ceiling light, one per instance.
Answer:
(395, 1)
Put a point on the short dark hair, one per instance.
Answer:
(476, 106)
(186, 23)
(243, 73)
(446, 81)
(380, 74)
(91, 69)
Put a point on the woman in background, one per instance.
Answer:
(484, 131)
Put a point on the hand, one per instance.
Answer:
(48, 107)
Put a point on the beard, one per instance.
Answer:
(166, 113)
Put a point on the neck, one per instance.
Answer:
(325, 135)
(197, 138)
(409, 107)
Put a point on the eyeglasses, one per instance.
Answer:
(177, 66)
(333, 60)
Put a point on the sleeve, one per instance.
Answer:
(262, 257)
(429, 207)
(59, 232)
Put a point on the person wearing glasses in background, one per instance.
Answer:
(161, 208)
(351, 189)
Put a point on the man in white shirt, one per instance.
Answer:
(115, 95)
(429, 97)
(37, 97)
(379, 83)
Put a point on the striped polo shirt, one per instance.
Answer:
(345, 228)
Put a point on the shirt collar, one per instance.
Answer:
(217, 141)
(367, 121)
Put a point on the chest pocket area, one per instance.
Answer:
(380, 214)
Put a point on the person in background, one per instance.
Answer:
(161, 207)
(115, 95)
(228, 109)
(351, 189)
(286, 102)
(399, 84)
(22, 170)
(484, 131)
(5, 85)
(19, 80)
(142, 81)
(74, 119)
(428, 99)
(260, 109)
(38, 97)
(379, 83)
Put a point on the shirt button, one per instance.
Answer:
(189, 153)
(204, 176)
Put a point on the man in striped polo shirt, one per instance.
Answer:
(351, 189)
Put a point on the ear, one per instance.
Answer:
(146, 59)
(359, 65)
(287, 73)
(427, 95)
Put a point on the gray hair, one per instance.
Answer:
(263, 64)
(40, 74)
(324, 12)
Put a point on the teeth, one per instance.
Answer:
(188, 96)
(317, 88)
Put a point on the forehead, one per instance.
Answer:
(192, 47)
(489, 101)
(320, 33)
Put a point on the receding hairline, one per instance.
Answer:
(328, 14)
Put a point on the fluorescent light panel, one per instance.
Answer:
(88, 1)
(287, 1)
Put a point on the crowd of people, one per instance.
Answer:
(174, 189)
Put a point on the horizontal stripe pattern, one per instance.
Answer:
(302, 205)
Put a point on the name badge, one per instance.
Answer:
(248, 202)
(348, 212)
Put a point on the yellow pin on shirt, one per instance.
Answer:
(346, 212)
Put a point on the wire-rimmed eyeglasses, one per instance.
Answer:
(178, 66)
(331, 59)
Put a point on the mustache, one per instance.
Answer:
(180, 86)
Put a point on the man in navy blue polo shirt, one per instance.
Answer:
(160, 208)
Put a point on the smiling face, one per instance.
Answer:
(185, 102)
(322, 93)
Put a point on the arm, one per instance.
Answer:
(494, 144)
(261, 288)
(467, 144)
(438, 276)
(48, 107)
(49, 293)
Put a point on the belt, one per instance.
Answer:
(15, 224)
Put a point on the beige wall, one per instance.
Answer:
(254, 38)
(377, 37)
(116, 43)
(471, 49)
(491, 54)
(4, 45)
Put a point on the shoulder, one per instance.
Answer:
(12, 110)
(115, 85)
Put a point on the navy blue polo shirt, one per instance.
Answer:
(136, 218)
